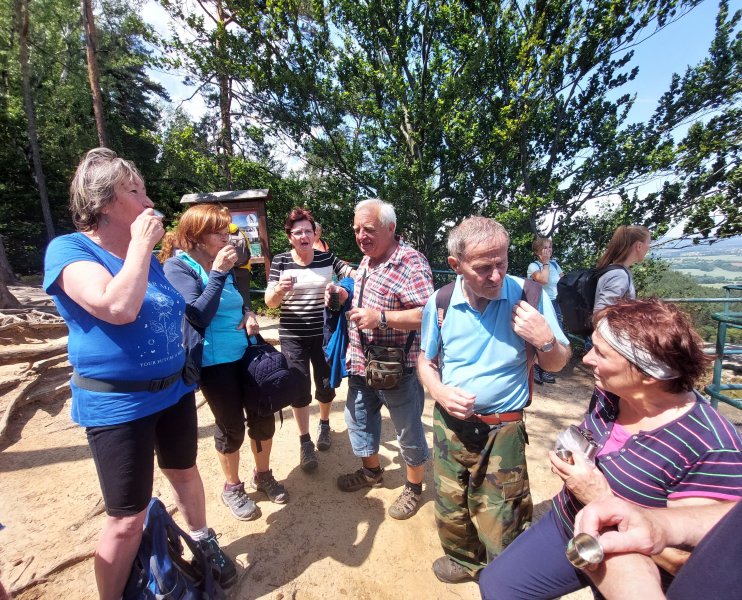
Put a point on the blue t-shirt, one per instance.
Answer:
(555, 272)
(223, 342)
(481, 352)
(148, 348)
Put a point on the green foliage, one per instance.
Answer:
(655, 278)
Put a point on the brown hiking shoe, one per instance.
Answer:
(448, 570)
(360, 479)
(405, 505)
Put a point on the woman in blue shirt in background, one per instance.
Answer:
(124, 320)
(547, 272)
(203, 274)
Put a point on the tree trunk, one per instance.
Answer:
(6, 271)
(225, 95)
(91, 44)
(28, 104)
(7, 300)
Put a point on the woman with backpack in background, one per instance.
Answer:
(297, 282)
(215, 312)
(628, 246)
(128, 389)
(547, 272)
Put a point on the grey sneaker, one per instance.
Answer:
(224, 569)
(241, 506)
(266, 483)
(405, 505)
(323, 437)
(360, 479)
(307, 457)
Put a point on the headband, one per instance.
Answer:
(635, 354)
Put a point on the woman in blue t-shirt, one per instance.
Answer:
(124, 321)
(547, 272)
(203, 274)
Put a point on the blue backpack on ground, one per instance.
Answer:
(160, 572)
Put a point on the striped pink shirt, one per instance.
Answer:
(697, 455)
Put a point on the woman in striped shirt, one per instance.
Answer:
(659, 444)
(297, 283)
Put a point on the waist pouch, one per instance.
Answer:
(385, 367)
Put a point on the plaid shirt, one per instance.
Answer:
(404, 281)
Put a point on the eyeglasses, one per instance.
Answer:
(301, 232)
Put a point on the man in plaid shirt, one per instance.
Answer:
(392, 285)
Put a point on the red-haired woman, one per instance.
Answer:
(297, 284)
(660, 445)
(215, 312)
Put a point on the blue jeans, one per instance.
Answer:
(405, 405)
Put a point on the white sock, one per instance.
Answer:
(200, 534)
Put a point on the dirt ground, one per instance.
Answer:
(322, 544)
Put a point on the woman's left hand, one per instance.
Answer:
(583, 479)
(249, 322)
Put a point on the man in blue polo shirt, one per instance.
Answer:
(475, 367)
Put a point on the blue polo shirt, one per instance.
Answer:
(481, 352)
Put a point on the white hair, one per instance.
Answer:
(384, 209)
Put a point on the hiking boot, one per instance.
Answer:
(360, 479)
(224, 570)
(537, 374)
(405, 505)
(323, 437)
(547, 377)
(307, 457)
(266, 483)
(241, 506)
(448, 570)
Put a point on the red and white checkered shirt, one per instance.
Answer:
(404, 281)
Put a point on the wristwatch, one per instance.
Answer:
(383, 325)
(548, 346)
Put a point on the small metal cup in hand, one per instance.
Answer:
(157, 213)
(583, 550)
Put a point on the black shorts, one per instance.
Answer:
(227, 393)
(124, 454)
(299, 353)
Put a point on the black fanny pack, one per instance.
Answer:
(121, 386)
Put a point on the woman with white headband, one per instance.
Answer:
(659, 444)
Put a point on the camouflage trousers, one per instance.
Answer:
(476, 522)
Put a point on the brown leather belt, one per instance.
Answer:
(497, 418)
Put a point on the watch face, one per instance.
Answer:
(546, 347)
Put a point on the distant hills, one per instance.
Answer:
(681, 248)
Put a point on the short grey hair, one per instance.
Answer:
(92, 187)
(384, 209)
(473, 231)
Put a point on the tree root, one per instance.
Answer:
(60, 566)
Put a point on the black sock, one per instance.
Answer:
(415, 487)
(324, 422)
(305, 438)
(374, 470)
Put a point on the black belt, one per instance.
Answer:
(115, 385)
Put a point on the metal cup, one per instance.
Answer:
(583, 550)
(158, 214)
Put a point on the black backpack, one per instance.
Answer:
(274, 386)
(576, 297)
(160, 570)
